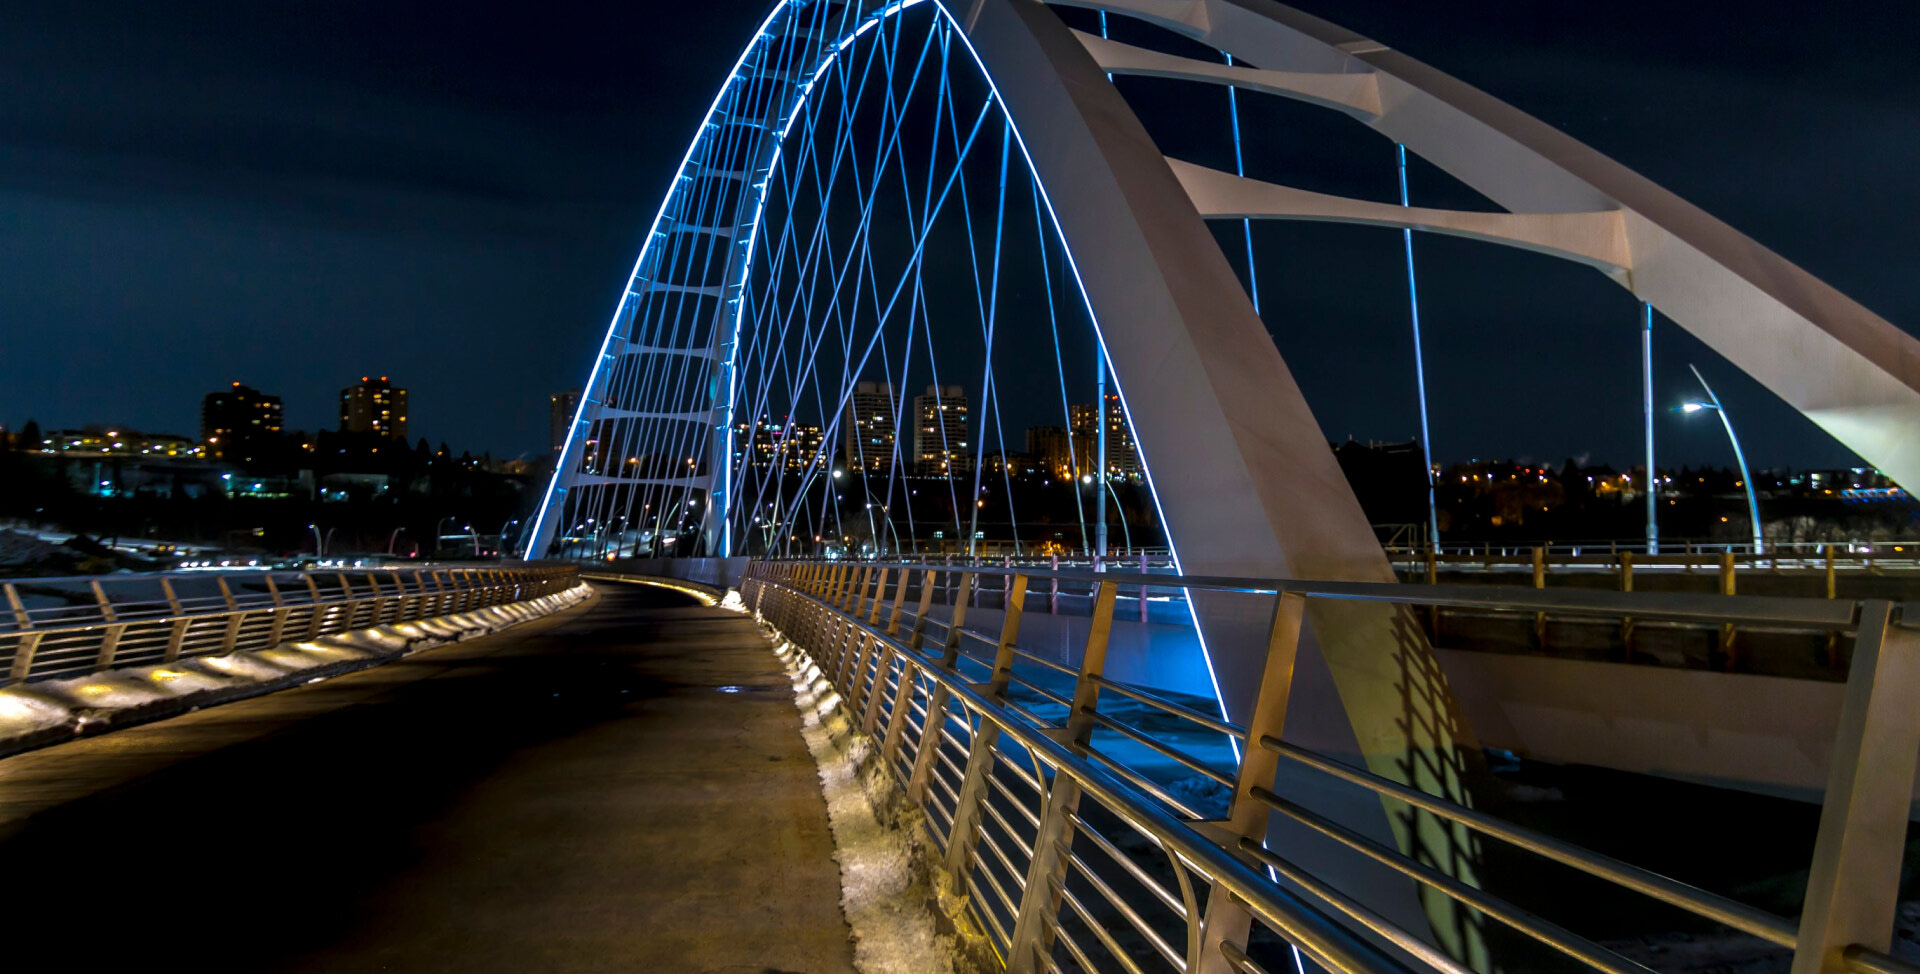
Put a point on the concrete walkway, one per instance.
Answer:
(619, 787)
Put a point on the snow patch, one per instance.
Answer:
(903, 920)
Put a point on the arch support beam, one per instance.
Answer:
(1595, 239)
(1839, 364)
(1355, 94)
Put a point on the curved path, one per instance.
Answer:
(619, 787)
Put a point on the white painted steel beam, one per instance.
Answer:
(1595, 239)
(1842, 366)
(1355, 94)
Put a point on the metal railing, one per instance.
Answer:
(61, 627)
(1075, 856)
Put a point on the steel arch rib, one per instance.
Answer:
(1255, 490)
(1202, 384)
(1845, 368)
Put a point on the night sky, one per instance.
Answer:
(294, 195)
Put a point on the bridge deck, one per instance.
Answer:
(578, 794)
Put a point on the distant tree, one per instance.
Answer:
(444, 452)
(29, 436)
(422, 450)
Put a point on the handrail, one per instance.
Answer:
(92, 631)
(797, 615)
(1834, 614)
(885, 672)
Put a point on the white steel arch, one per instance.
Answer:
(1248, 487)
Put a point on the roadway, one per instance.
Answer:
(621, 786)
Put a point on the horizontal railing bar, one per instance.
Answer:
(1734, 914)
(1051, 696)
(1550, 934)
(1380, 926)
(1239, 959)
(1164, 750)
(1126, 911)
(1006, 827)
(1811, 612)
(975, 906)
(1049, 664)
(1099, 931)
(994, 782)
(1300, 922)
(1151, 700)
(1868, 961)
(1126, 862)
(1136, 779)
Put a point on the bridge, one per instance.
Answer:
(1095, 621)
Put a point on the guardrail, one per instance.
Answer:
(1074, 857)
(1843, 557)
(57, 627)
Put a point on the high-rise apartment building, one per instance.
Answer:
(374, 406)
(868, 431)
(1123, 458)
(788, 448)
(1051, 448)
(234, 422)
(560, 409)
(940, 445)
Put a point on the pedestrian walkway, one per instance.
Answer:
(618, 787)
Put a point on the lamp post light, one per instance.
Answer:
(1125, 531)
(319, 544)
(439, 531)
(1713, 403)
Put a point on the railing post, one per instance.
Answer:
(899, 603)
(1143, 588)
(1227, 921)
(966, 808)
(1053, 586)
(1626, 622)
(919, 634)
(176, 639)
(1093, 663)
(231, 641)
(319, 617)
(1540, 581)
(937, 705)
(870, 713)
(110, 641)
(109, 644)
(23, 653)
(1854, 880)
(1016, 596)
(1726, 629)
(1053, 843)
(879, 589)
(279, 613)
(379, 600)
(20, 618)
(897, 720)
(106, 605)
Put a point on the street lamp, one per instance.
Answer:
(1713, 403)
(439, 529)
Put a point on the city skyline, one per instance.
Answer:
(483, 270)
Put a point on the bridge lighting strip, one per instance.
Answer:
(574, 437)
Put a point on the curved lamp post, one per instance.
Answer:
(1713, 403)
